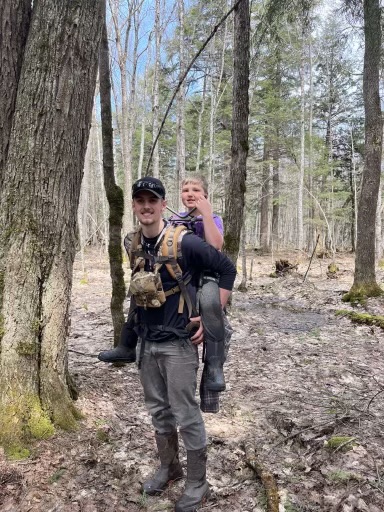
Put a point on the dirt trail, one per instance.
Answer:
(297, 377)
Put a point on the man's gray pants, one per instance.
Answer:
(168, 375)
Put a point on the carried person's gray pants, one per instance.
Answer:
(168, 376)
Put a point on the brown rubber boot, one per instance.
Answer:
(170, 468)
(197, 487)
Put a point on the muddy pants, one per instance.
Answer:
(168, 376)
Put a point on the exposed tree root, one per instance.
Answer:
(283, 267)
(267, 479)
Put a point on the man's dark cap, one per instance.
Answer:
(149, 184)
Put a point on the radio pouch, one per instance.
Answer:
(147, 287)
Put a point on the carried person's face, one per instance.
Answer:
(189, 193)
(148, 208)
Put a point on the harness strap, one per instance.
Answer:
(176, 288)
(170, 251)
(174, 269)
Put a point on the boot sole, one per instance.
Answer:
(200, 505)
(157, 492)
(117, 360)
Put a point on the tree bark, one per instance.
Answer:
(114, 193)
(155, 94)
(200, 126)
(243, 285)
(300, 188)
(14, 24)
(365, 277)
(126, 143)
(311, 229)
(265, 187)
(275, 146)
(40, 197)
(234, 207)
(180, 123)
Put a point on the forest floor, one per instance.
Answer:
(305, 388)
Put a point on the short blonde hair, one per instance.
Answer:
(199, 180)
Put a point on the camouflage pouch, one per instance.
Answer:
(147, 289)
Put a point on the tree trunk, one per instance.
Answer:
(128, 224)
(14, 23)
(122, 41)
(104, 229)
(365, 277)
(234, 204)
(300, 188)
(264, 202)
(353, 186)
(180, 125)
(155, 94)
(114, 194)
(200, 126)
(40, 197)
(143, 119)
(82, 210)
(311, 229)
(275, 150)
(243, 285)
(379, 240)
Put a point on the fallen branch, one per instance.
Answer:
(81, 353)
(267, 479)
(336, 421)
(372, 399)
(310, 261)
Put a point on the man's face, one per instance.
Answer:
(148, 208)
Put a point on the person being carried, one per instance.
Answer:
(168, 355)
(208, 226)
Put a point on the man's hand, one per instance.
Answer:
(199, 336)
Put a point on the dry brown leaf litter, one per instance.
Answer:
(297, 377)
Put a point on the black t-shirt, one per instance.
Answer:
(159, 324)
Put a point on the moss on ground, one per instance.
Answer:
(362, 318)
(22, 420)
(340, 443)
(359, 294)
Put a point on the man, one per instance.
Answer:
(168, 357)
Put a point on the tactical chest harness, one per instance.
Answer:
(147, 287)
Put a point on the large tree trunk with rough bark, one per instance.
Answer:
(365, 277)
(114, 194)
(14, 24)
(39, 199)
(234, 203)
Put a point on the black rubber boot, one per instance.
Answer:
(125, 351)
(214, 333)
(197, 487)
(118, 354)
(170, 468)
(215, 374)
